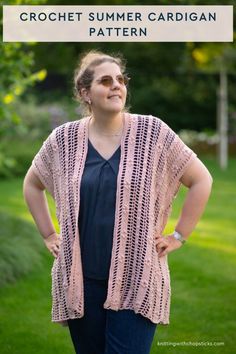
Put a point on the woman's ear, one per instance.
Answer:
(85, 95)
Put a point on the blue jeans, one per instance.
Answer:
(103, 331)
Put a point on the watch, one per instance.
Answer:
(179, 237)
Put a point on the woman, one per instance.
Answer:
(113, 176)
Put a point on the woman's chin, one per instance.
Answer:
(116, 108)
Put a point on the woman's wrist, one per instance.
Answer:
(178, 236)
(52, 233)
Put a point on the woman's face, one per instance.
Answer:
(107, 92)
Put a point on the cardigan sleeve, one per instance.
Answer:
(44, 161)
(179, 158)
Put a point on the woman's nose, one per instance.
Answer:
(115, 83)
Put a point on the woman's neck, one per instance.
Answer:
(107, 124)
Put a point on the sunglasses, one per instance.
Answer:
(107, 80)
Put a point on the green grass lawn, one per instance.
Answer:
(203, 282)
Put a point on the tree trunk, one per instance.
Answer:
(222, 120)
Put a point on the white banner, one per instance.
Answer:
(117, 23)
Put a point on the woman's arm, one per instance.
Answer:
(199, 181)
(33, 191)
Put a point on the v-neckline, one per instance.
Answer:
(122, 138)
(98, 153)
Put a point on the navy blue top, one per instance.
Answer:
(97, 212)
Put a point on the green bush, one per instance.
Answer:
(22, 140)
(20, 248)
(16, 156)
(35, 121)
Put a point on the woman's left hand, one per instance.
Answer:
(167, 244)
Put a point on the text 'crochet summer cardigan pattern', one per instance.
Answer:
(153, 159)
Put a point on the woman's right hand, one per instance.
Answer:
(53, 243)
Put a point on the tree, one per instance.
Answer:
(16, 65)
(217, 58)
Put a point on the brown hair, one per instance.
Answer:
(84, 73)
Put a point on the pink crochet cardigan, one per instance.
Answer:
(153, 158)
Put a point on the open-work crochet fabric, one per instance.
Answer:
(153, 159)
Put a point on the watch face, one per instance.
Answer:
(178, 237)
